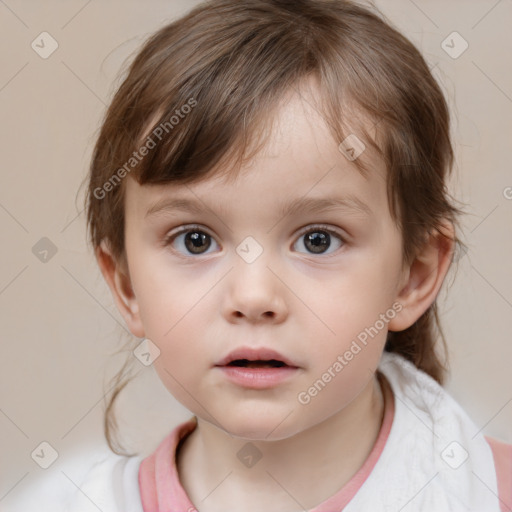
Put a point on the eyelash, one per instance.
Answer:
(312, 228)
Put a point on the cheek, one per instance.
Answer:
(183, 357)
(166, 296)
(352, 311)
(338, 374)
(352, 300)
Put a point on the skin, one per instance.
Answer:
(310, 307)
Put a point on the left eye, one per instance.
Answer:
(318, 240)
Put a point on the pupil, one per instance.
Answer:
(195, 241)
(319, 241)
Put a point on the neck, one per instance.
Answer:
(328, 454)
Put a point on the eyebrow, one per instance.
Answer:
(349, 204)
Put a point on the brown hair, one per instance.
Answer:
(229, 62)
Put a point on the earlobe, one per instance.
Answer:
(425, 277)
(117, 277)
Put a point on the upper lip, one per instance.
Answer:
(254, 354)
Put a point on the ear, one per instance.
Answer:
(117, 277)
(424, 277)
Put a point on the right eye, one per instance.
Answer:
(195, 242)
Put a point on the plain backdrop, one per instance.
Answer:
(60, 329)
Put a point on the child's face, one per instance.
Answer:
(308, 299)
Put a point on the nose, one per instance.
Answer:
(255, 294)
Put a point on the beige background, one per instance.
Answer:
(59, 324)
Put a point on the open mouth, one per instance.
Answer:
(256, 373)
(245, 363)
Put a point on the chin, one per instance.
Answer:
(261, 426)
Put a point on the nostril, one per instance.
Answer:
(269, 314)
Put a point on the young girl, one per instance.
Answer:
(267, 203)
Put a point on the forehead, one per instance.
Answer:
(300, 157)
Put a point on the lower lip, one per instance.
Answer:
(258, 378)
